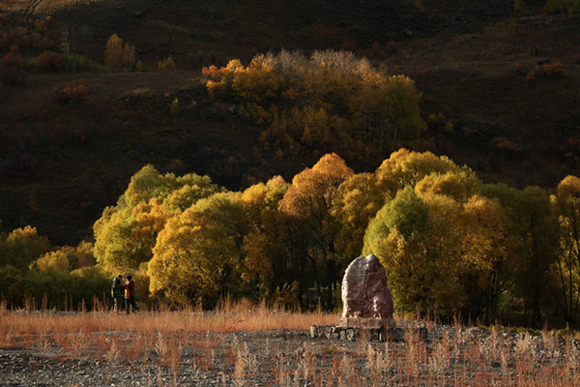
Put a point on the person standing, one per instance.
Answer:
(117, 292)
(129, 287)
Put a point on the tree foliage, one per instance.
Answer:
(197, 255)
(119, 55)
(450, 243)
(126, 234)
(331, 101)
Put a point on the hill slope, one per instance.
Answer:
(61, 165)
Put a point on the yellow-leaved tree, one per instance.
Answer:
(197, 258)
(126, 233)
(565, 283)
(118, 54)
(307, 205)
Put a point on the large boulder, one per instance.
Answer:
(366, 298)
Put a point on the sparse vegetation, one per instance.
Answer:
(242, 344)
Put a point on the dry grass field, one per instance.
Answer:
(249, 345)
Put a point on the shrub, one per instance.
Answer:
(563, 6)
(531, 76)
(551, 70)
(70, 95)
(12, 59)
(175, 107)
(80, 63)
(48, 61)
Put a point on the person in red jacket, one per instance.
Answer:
(129, 287)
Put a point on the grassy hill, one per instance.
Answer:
(61, 165)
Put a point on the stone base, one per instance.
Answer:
(331, 332)
(366, 322)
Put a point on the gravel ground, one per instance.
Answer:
(448, 356)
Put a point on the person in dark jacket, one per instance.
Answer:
(129, 287)
(117, 292)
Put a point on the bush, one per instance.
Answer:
(563, 6)
(67, 95)
(175, 107)
(47, 61)
(551, 70)
(12, 59)
(80, 63)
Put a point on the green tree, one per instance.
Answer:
(443, 245)
(22, 247)
(53, 262)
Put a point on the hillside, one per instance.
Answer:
(61, 165)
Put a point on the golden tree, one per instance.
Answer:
(117, 54)
(307, 205)
(114, 51)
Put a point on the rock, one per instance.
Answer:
(366, 298)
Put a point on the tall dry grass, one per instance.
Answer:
(157, 340)
(228, 317)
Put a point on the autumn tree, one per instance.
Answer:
(534, 229)
(356, 202)
(117, 54)
(128, 56)
(565, 284)
(329, 101)
(126, 233)
(307, 204)
(270, 271)
(405, 167)
(489, 258)
(443, 245)
(21, 247)
(197, 258)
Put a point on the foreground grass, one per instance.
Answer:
(227, 318)
(193, 348)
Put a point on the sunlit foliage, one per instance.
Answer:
(451, 244)
(331, 101)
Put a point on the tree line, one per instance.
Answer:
(450, 243)
(329, 101)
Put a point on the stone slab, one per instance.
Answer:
(344, 333)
